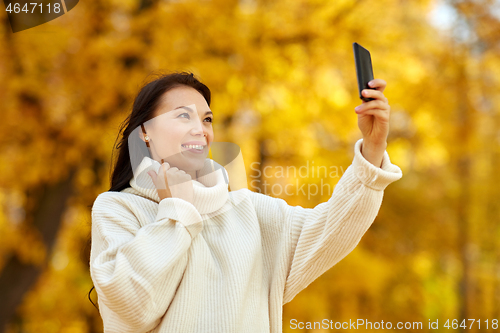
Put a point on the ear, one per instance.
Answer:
(143, 133)
(141, 136)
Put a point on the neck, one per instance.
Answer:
(193, 174)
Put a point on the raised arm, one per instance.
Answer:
(316, 239)
(136, 270)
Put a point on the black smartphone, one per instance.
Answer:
(364, 70)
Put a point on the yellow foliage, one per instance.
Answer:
(281, 73)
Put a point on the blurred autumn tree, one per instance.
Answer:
(283, 83)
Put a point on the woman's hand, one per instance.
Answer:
(373, 121)
(373, 116)
(172, 183)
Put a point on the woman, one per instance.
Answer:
(174, 251)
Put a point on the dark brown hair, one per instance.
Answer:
(146, 102)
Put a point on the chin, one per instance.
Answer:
(192, 164)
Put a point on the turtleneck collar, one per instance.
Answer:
(210, 189)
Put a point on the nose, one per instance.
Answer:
(197, 127)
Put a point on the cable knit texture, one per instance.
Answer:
(227, 262)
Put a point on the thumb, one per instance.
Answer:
(152, 174)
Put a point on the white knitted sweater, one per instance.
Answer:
(228, 262)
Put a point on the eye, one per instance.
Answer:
(210, 119)
(185, 113)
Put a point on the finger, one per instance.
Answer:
(179, 179)
(167, 187)
(377, 113)
(172, 173)
(379, 84)
(374, 94)
(152, 174)
(164, 172)
(375, 104)
(158, 179)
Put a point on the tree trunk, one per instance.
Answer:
(46, 205)
(464, 133)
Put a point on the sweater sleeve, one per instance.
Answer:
(317, 238)
(136, 270)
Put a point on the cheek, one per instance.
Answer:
(170, 137)
(210, 134)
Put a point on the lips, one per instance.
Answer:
(197, 149)
(201, 143)
(193, 146)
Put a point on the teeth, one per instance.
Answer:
(193, 146)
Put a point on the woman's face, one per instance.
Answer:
(181, 131)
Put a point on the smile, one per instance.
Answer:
(198, 147)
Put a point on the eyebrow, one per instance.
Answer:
(189, 109)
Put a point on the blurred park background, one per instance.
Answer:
(283, 87)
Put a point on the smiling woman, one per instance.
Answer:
(144, 109)
(180, 134)
(156, 100)
(173, 250)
